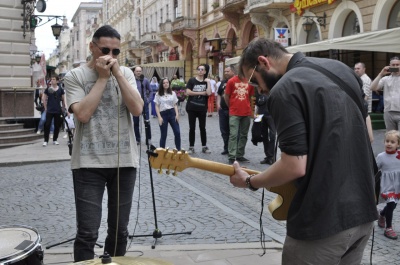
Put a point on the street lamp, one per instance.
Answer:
(56, 28)
(33, 21)
(307, 25)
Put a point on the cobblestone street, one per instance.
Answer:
(41, 196)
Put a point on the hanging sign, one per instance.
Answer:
(299, 5)
(282, 36)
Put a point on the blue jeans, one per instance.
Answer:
(224, 126)
(169, 116)
(43, 121)
(89, 184)
(136, 123)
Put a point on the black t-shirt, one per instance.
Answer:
(314, 117)
(53, 100)
(196, 103)
(220, 92)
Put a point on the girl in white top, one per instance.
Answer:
(389, 164)
(167, 112)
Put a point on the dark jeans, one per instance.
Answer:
(153, 105)
(224, 126)
(136, 123)
(169, 116)
(89, 184)
(268, 128)
(57, 123)
(201, 115)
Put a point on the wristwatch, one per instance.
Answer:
(248, 184)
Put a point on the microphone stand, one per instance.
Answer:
(150, 148)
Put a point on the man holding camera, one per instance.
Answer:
(391, 96)
(51, 102)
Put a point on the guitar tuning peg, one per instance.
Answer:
(174, 154)
(167, 152)
(168, 170)
(183, 151)
(175, 174)
(159, 171)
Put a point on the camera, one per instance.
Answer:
(393, 69)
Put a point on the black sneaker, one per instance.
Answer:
(268, 161)
(230, 161)
(224, 152)
(243, 159)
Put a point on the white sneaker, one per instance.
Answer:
(51, 136)
(55, 143)
(65, 136)
(38, 132)
(44, 144)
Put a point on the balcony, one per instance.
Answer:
(166, 27)
(149, 38)
(183, 23)
(264, 5)
(234, 5)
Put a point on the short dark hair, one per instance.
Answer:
(260, 47)
(106, 31)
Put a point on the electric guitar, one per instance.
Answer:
(176, 161)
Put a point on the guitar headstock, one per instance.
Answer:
(172, 160)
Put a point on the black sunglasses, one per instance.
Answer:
(106, 50)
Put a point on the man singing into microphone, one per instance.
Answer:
(51, 102)
(103, 96)
(143, 86)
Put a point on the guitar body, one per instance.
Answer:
(177, 161)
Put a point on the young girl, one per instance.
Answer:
(389, 163)
(167, 112)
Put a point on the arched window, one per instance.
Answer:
(313, 35)
(351, 25)
(394, 17)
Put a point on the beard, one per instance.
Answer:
(270, 80)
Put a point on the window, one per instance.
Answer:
(394, 17)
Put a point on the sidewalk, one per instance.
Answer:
(179, 254)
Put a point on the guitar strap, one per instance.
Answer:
(358, 101)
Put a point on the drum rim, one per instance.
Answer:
(24, 253)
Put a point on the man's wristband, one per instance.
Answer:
(248, 184)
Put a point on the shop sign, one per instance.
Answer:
(300, 5)
(282, 36)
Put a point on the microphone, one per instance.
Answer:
(141, 77)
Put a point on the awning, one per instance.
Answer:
(165, 64)
(375, 41)
(163, 69)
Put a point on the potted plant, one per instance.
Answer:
(179, 87)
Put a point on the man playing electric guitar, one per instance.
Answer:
(325, 152)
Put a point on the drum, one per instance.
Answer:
(20, 245)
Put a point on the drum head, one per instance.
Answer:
(17, 242)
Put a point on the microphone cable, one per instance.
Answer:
(118, 154)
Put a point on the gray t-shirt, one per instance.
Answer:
(96, 142)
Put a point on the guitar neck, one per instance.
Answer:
(216, 167)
